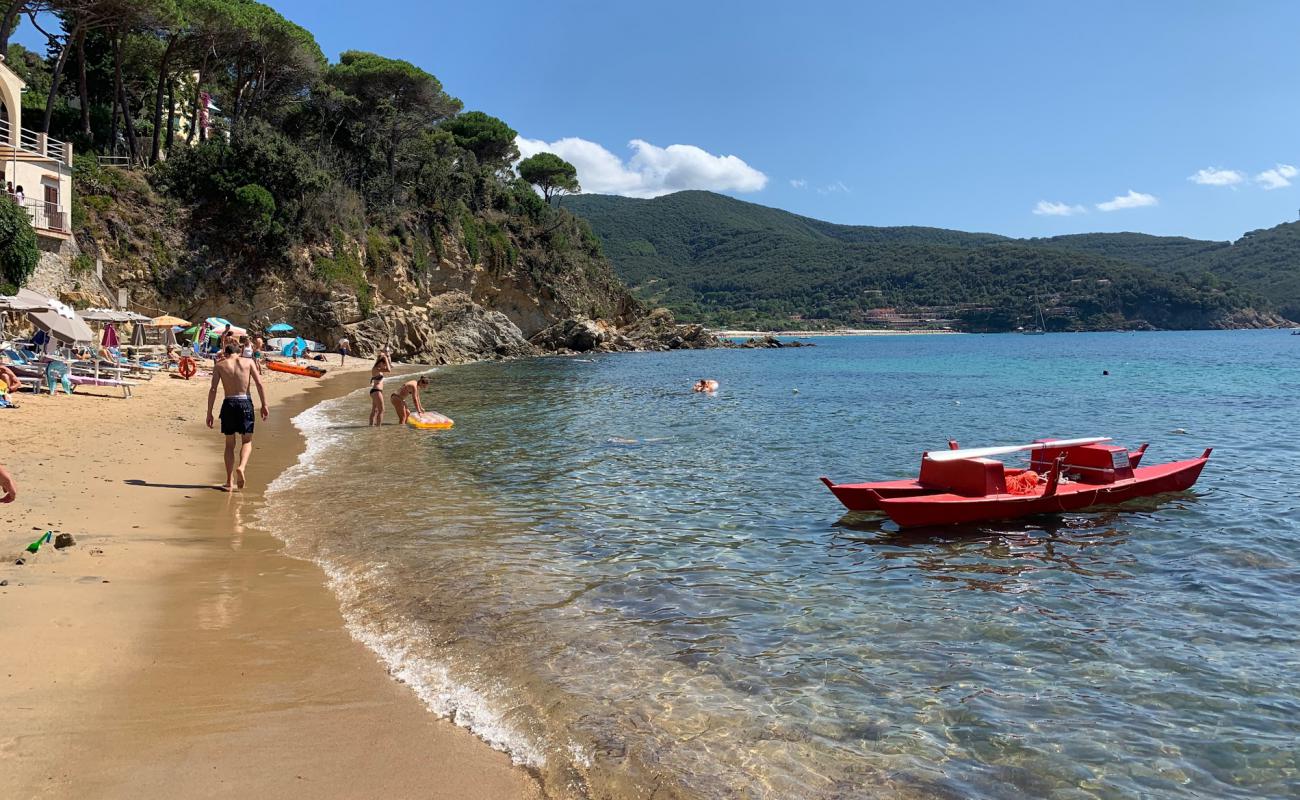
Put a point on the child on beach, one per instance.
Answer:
(411, 389)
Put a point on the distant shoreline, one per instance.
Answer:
(727, 334)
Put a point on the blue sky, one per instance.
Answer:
(952, 114)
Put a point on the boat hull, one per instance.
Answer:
(952, 509)
(867, 496)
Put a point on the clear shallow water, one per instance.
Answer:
(692, 613)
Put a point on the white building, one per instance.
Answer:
(40, 165)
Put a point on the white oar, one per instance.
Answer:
(983, 452)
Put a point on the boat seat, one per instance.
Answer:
(1098, 463)
(975, 477)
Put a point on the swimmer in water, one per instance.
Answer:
(705, 385)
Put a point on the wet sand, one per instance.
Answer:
(174, 650)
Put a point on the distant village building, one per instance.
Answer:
(40, 165)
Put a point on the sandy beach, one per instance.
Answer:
(174, 650)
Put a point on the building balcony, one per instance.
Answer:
(47, 218)
(25, 144)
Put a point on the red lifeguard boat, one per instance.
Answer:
(962, 486)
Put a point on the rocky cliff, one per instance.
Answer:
(486, 286)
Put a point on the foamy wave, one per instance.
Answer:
(430, 680)
(314, 424)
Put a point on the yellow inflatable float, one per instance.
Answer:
(429, 421)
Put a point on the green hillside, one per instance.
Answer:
(731, 263)
(1137, 248)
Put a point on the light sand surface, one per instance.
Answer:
(174, 651)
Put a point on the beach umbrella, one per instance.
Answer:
(192, 331)
(169, 337)
(218, 322)
(8, 303)
(137, 334)
(279, 327)
(57, 319)
(167, 321)
(112, 315)
(15, 305)
(235, 329)
(110, 336)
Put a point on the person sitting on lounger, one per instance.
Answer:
(409, 389)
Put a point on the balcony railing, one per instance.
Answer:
(36, 143)
(46, 216)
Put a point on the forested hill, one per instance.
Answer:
(732, 263)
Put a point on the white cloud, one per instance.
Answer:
(832, 188)
(1048, 208)
(799, 183)
(1131, 200)
(1214, 176)
(651, 171)
(1277, 177)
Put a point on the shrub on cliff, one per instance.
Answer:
(213, 175)
(253, 208)
(18, 252)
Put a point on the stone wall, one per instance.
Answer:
(54, 271)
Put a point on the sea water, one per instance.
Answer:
(633, 588)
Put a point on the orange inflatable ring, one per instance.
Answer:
(187, 368)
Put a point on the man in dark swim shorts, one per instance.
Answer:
(237, 375)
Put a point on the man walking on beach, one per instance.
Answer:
(237, 375)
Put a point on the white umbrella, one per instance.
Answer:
(112, 315)
(57, 319)
(8, 303)
(137, 334)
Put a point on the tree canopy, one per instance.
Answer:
(550, 173)
(490, 140)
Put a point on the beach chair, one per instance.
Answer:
(56, 375)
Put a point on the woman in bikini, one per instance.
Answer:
(411, 388)
(382, 365)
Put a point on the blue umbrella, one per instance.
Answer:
(279, 327)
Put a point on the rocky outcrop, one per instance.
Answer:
(656, 330)
(1251, 318)
(576, 336)
(771, 341)
(450, 329)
